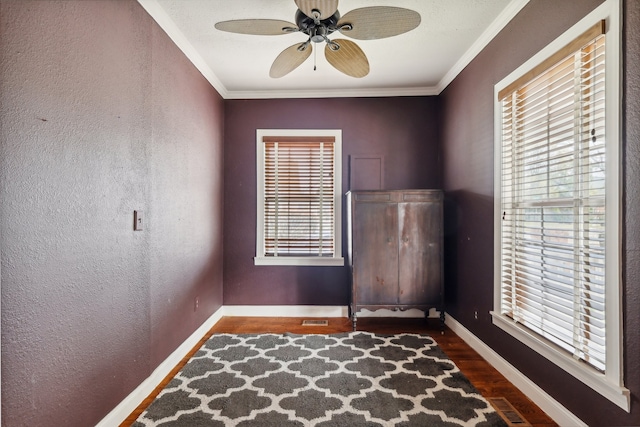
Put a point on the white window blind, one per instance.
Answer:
(299, 205)
(553, 200)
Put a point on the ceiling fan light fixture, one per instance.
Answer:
(319, 34)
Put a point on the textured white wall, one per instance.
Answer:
(100, 115)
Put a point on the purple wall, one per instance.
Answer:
(403, 130)
(467, 140)
(100, 114)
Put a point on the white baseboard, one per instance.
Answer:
(286, 310)
(131, 402)
(545, 402)
(316, 311)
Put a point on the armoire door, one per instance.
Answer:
(420, 225)
(375, 242)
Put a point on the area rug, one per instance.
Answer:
(350, 379)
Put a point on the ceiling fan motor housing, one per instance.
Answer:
(317, 30)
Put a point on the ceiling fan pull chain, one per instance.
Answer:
(314, 59)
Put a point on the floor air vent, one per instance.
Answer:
(508, 412)
(315, 323)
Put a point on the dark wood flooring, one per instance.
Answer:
(484, 377)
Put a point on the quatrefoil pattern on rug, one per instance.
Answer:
(351, 379)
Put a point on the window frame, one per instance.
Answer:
(337, 258)
(609, 384)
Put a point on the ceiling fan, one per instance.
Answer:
(318, 19)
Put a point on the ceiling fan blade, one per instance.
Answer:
(348, 59)
(290, 59)
(259, 27)
(378, 22)
(326, 7)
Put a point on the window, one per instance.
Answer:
(299, 197)
(557, 280)
(553, 203)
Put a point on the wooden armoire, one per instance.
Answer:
(395, 241)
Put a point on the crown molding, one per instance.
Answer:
(166, 23)
(512, 9)
(333, 93)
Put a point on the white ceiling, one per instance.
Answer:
(421, 62)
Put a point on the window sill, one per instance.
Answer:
(592, 378)
(301, 261)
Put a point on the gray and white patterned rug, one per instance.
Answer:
(350, 379)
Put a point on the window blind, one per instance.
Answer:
(553, 202)
(298, 196)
